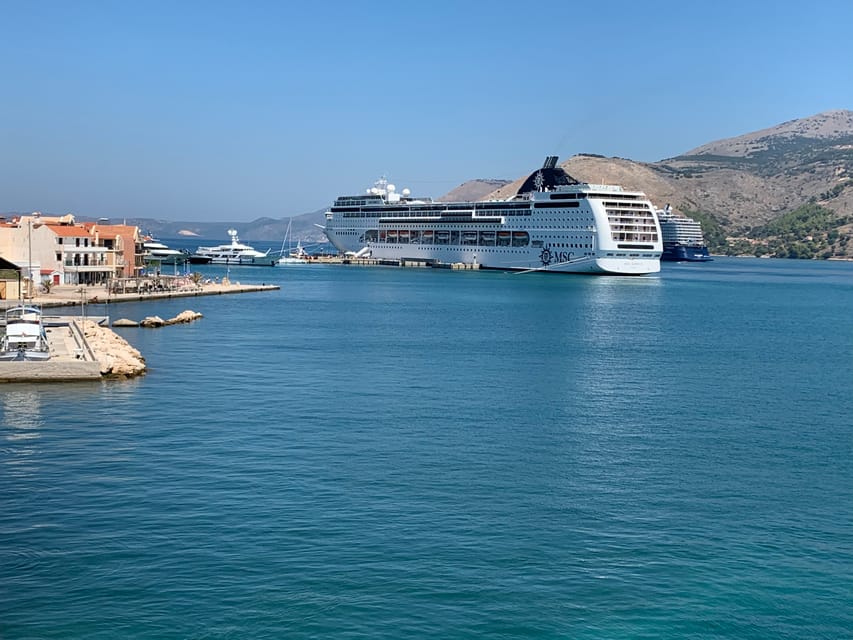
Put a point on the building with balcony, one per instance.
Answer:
(58, 248)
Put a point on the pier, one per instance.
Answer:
(135, 290)
(71, 357)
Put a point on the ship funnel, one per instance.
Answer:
(550, 162)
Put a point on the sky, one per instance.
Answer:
(233, 111)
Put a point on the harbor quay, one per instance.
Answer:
(137, 289)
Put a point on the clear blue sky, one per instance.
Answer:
(236, 110)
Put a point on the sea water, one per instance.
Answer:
(374, 452)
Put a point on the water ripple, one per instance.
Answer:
(407, 453)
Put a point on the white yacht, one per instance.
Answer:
(234, 253)
(554, 223)
(25, 337)
(155, 251)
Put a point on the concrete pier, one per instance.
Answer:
(71, 358)
(50, 371)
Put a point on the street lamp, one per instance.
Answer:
(36, 215)
(82, 292)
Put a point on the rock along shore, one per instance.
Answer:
(113, 353)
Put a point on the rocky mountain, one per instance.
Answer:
(761, 193)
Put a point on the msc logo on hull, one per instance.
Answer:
(548, 257)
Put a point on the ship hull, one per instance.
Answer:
(546, 260)
(680, 253)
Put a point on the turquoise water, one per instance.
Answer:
(405, 453)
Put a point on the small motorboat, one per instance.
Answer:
(25, 337)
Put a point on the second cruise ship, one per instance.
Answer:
(553, 223)
(682, 238)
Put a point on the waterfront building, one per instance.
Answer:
(66, 252)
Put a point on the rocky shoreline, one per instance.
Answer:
(114, 354)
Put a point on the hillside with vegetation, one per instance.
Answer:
(786, 191)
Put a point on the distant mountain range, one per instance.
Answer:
(784, 191)
(303, 228)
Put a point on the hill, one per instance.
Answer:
(743, 189)
(472, 190)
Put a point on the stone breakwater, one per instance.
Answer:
(114, 354)
(156, 321)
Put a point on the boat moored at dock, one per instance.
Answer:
(155, 252)
(233, 253)
(553, 223)
(25, 337)
(296, 255)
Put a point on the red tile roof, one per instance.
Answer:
(69, 231)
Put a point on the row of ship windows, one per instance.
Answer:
(573, 223)
(634, 237)
(561, 245)
(631, 255)
(631, 221)
(569, 245)
(632, 205)
(623, 215)
(484, 213)
(448, 236)
(385, 212)
(633, 225)
(465, 238)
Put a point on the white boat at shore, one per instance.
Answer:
(233, 253)
(25, 337)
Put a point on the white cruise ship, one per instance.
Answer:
(682, 238)
(554, 223)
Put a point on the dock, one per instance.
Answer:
(75, 295)
(71, 358)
